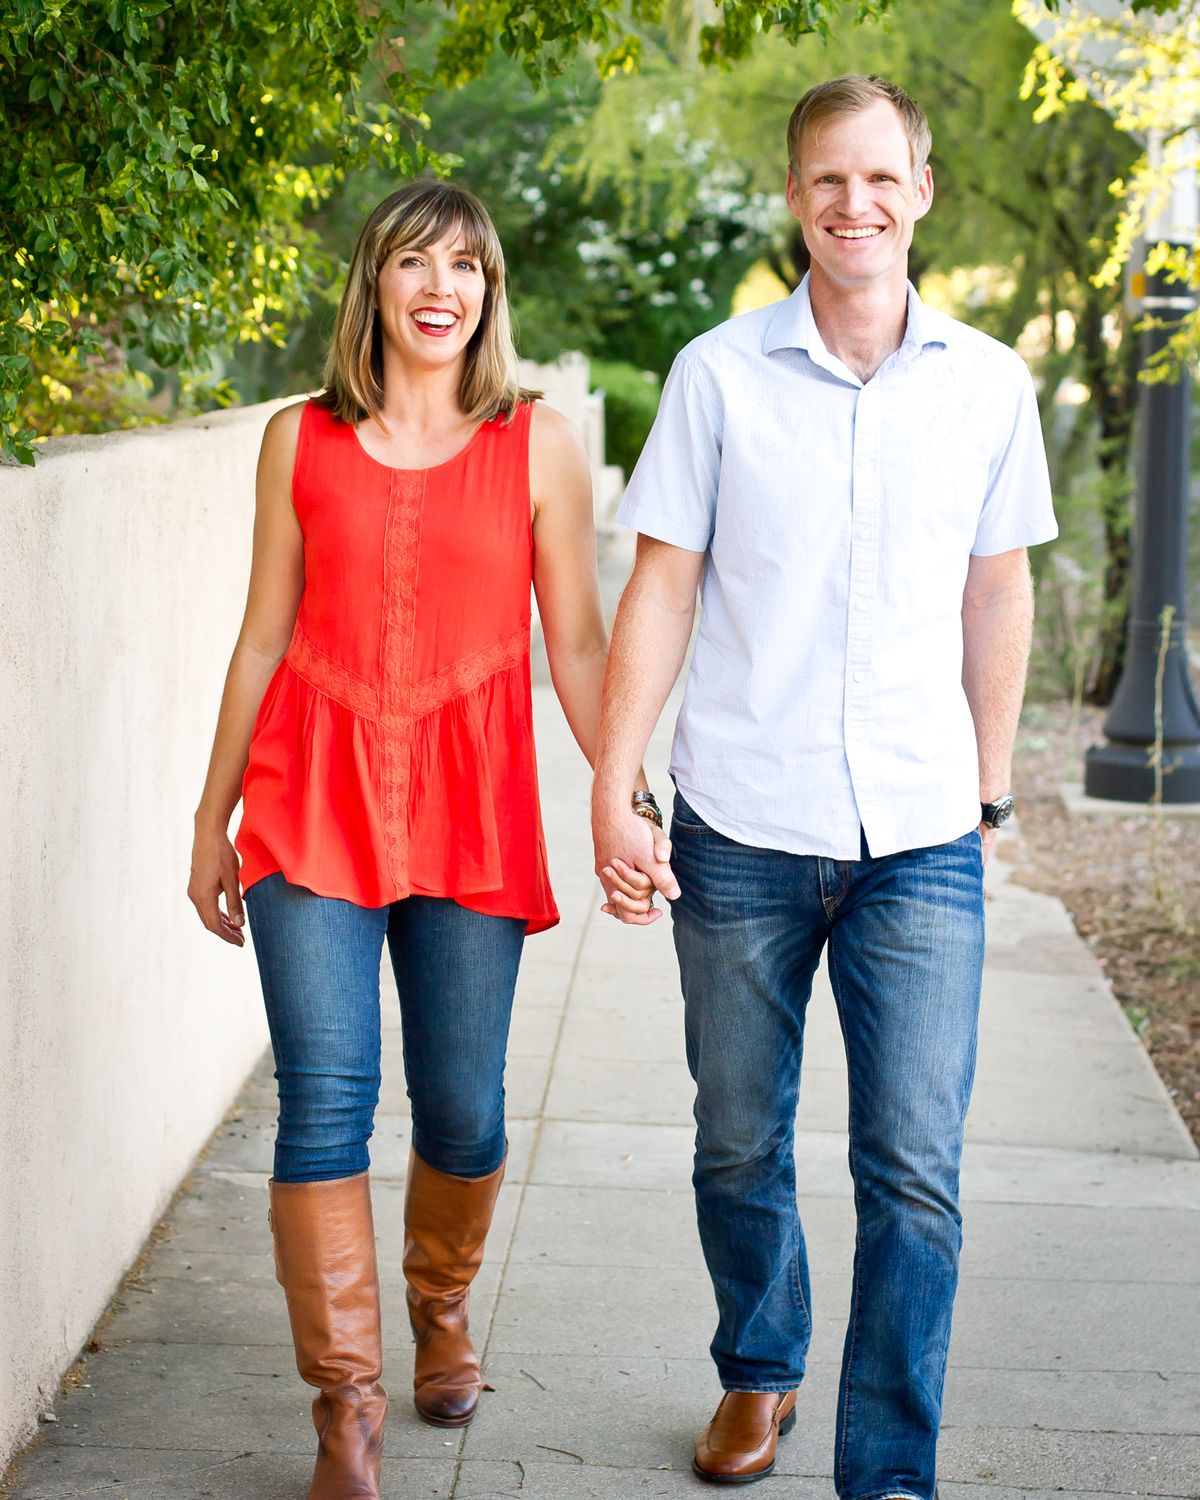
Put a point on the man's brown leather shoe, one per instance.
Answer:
(738, 1445)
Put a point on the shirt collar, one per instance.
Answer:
(794, 327)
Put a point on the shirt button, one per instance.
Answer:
(860, 677)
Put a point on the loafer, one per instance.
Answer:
(738, 1445)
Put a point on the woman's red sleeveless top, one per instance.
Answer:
(393, 751)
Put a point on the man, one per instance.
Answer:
(855, 478)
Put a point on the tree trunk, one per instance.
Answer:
(1111, 377)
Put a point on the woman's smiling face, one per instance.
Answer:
(431, 298)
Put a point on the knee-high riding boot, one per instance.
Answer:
(325, 1261)
(446, 1220)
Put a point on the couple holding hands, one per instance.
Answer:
(850, 480)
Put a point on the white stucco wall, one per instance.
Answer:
(126, 1030)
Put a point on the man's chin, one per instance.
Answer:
(848, 277)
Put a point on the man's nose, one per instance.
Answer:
(854, 197)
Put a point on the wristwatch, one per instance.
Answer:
(996, 814)
(646, 806)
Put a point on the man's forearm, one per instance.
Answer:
(649, 642)
(997, 633)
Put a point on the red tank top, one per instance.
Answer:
(393, 751)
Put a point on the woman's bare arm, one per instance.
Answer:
(568, 593)
(276, 584)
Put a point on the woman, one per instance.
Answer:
(376, 721)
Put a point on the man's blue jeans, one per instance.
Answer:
(905, 939)
(456, 971)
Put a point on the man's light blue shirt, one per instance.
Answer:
(825, 690)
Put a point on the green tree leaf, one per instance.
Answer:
(281, 101)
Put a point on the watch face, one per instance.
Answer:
(998, 813)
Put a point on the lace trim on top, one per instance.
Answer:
(401, 554)
(361, 697)
(331, 677)
(469, 671)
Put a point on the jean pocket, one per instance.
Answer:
(685, 818)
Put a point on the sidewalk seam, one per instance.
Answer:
(535, 1140)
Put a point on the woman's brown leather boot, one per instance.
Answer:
(446, 1221)
(325, 1262)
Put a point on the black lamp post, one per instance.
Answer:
(1155, 683)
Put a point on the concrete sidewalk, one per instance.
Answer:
(1076, 1360)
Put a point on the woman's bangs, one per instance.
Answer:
(478, 236)
(437, 217)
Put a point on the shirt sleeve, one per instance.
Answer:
(1017, 510)
(672, 493)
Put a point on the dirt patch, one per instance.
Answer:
(1131, 885)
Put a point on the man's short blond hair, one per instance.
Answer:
(847, 96)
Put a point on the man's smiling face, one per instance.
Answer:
(854, 195)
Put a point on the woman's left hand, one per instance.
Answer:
(631, 890)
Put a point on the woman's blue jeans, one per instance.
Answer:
(905, 940)
(456, 971)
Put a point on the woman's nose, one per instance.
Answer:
(437, 281)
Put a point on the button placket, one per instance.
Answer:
(864, 568)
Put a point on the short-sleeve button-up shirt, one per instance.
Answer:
(824, 698)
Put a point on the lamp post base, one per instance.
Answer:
(1124, 773)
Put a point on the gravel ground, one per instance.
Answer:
(1131, 885)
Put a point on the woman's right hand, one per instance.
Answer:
(215, 873)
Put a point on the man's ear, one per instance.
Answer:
(924, 193)
(792, 192)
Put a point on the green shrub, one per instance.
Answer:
(630, 403)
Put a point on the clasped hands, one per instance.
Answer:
(632, 877)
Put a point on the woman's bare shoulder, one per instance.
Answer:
(277, 456)
(280, 439)
(552, 435)
(560, 477)
(283, 426)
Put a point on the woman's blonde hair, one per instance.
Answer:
(419, 215)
